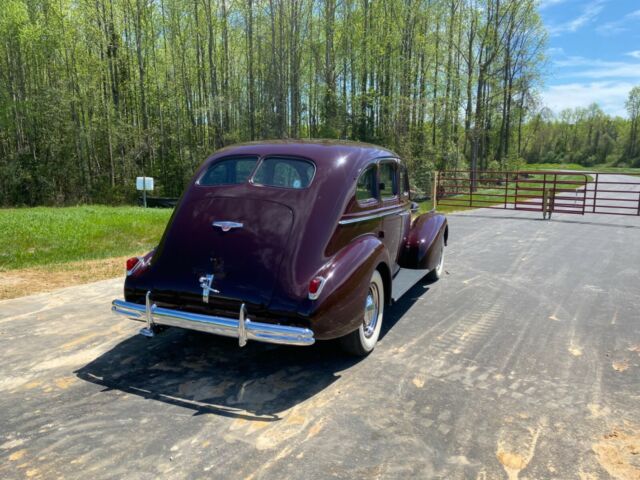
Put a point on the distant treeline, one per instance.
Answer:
(586, 136)
(95, 93)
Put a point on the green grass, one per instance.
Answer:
(575, 166)
(45, 236)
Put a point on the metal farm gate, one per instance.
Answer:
(540, 191)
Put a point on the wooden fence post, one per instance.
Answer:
(434, 187)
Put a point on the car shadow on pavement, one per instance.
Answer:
(212, 375)
(396, 311)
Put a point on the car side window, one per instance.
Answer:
(366, 186)
(388, 180)
(229, 171)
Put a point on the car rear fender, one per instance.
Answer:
(421, 247)
(339, 308)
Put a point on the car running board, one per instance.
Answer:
(404, 280)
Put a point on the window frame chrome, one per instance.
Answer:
(399, 210)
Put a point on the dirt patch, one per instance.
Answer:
(27, 281)
(620, 366)
(419, 381)
(516, 455)
(598, 411)
(17, 455)
(575, 350)
(618, 452)
(511, 461)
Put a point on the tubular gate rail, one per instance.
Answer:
(540, 191)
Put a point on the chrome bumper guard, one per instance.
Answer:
(243, 328)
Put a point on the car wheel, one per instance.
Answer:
(362, 341)
(436, 273)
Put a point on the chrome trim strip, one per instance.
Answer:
(365, 218)
(226, 226)
(148, 310)
(228, 327)
(242, 327)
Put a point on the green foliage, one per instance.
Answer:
(93, 94)
(586, 136)
(43, 236)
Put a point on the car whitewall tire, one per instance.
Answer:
(362, 341)
(436, 273)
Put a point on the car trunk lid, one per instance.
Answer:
(238, 240)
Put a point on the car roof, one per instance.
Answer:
(320, 151)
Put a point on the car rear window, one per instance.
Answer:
(229, 171)
(284, 172)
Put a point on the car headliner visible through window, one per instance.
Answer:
(284, 172)
(366, 186)
(229, 171)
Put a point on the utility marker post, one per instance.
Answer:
(144, 184)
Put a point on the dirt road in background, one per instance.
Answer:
(522, 362)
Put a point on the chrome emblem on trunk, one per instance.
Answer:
(226, 226)
(205, 284)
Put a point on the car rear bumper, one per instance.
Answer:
(241, 328)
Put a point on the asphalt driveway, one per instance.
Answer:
(522, 362)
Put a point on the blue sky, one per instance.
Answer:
(593, 51)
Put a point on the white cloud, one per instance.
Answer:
(611, 96)
(555, 51)
(633, 15)
(588, 15)
(634, 54)
(588, 68)
(619, 26)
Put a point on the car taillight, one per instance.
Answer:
(315, 287)
(132, 262)
(136, 265)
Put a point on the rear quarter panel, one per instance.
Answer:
(340, 307)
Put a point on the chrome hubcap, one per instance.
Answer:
(371, 311)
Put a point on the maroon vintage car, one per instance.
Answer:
(288, 242)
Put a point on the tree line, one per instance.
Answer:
(96, 92)
(586, 136)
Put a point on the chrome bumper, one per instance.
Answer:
(241, 328)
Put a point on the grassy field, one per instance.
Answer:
(575, 166)
(42, 236)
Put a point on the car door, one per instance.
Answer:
(389, 194)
